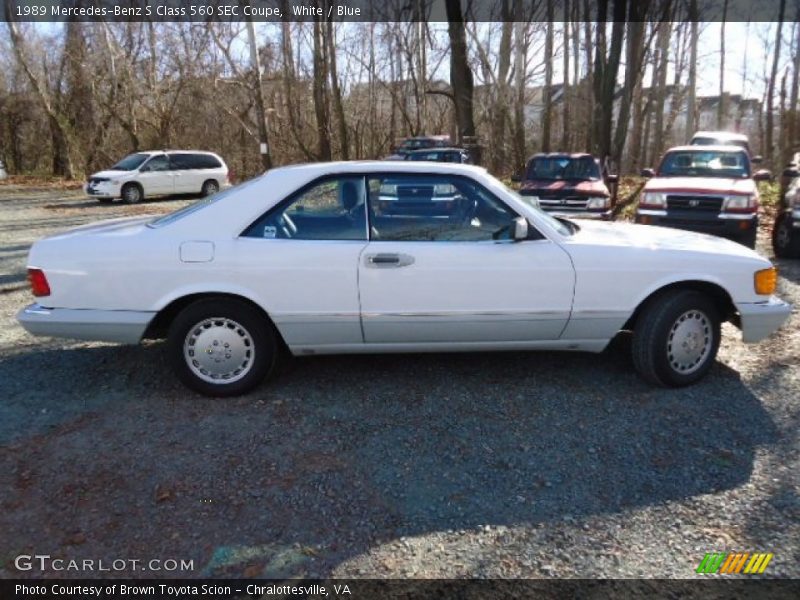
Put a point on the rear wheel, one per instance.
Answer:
(209, 188)
(676, 338)
(132, 193)
(785, 240)
(222, 347)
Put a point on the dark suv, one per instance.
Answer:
(708, 189)
(451, 155)
(570, 185)
(786, 231)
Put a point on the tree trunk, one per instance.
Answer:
(793, 95)
(519, 84)
(565, 94)
(320, 92)
(547, 92)
(460, 72)
(258, 92)
(769, 149)
(691, 105)
(338, 108)
(721, 105)
(500, 116)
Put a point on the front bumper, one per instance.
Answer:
(759, 319)
(104, 189)
(121, 326)
(730, 226)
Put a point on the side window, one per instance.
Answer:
(157, 163)
(205, 161)
(435, 208)
(332, 209)
(180, 162)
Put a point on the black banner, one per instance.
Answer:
(361, 10)
(369, 589)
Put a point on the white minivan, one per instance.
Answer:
(159, 173)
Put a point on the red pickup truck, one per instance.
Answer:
(708, 189)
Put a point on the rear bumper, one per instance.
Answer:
(760, 319)
(121, 326)
(733, 226)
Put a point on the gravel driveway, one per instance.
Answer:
(476, 465)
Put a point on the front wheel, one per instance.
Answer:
(785, 240)
(222, 347)
(676, 338)
(132, 193)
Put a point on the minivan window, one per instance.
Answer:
(130, 162)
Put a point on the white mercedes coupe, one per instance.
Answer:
(358, 257)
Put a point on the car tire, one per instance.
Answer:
(209, 188)
(222, 347)
(785, 241)
(132, 193)
(676, 338)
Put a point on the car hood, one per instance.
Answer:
(556, 189)
(111, 174)
(701, 185)
(649, 237)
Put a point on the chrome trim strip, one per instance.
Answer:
(651, 212)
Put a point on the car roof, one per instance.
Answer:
(436, 149)
(715, 148)
(561, 155)
(379, 166)
(722, 135)
(174, 152)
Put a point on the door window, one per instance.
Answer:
(332, 209)
(157, 163)
(434, 208)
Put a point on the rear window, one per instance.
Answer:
(199, 205)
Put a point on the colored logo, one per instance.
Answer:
(741, 562)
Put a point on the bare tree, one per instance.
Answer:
(776, 56)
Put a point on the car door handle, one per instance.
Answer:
(384, 260)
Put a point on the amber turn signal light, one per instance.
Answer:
(766, 281)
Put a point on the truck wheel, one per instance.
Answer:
(132, 193)
(676, 338)
(785, 240)
(222, 347)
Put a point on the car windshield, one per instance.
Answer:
(705, 163)
(199, 205)
(566, 168)
(130, 162)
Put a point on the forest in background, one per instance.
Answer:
(614, 77)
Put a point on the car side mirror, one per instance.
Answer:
(762, 175)
(612, 178)
(516, 178)
(520, 229)
(791, 173)
(648, 173)
(757, 159)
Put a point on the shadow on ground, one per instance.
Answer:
(105, 455)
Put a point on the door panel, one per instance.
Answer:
(156, 177)
(465, 292)
(441, 267)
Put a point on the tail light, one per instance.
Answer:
(38, 281)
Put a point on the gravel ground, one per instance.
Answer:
(481, 465)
